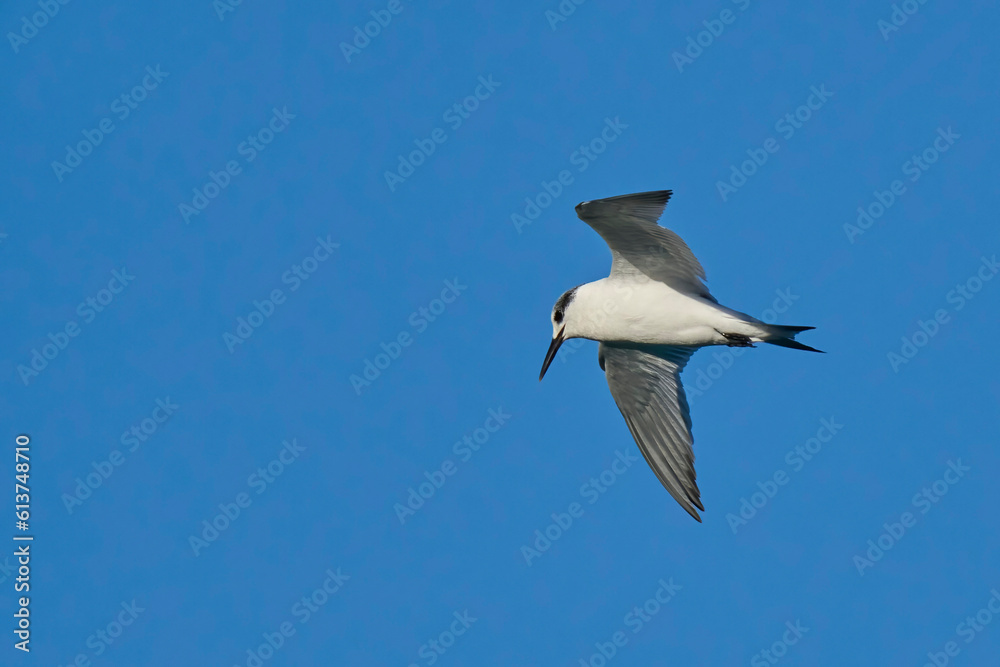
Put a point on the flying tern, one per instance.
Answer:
(650, 315)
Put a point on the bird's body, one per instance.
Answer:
(650, 315)
(651, 312)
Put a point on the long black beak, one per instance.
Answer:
(551, 354)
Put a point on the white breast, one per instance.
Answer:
(644, 312)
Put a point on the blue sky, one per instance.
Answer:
(268, 279)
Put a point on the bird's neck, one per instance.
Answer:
(594, 307)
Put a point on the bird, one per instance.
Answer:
(649, 315)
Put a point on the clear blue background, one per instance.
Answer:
(324, 175)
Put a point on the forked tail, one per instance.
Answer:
(784, 336)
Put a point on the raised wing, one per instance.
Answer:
(640, 246)
(645, 382)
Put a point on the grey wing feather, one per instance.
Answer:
(645, 382)
(638, 245)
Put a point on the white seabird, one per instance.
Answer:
(650, 315)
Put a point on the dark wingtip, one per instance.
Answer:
(654, 197)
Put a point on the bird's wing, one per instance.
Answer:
(639, 246)
(645, 382)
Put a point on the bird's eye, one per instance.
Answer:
(557, 316)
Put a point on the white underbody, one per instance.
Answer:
(651, 312)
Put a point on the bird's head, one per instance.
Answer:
(562, 316)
